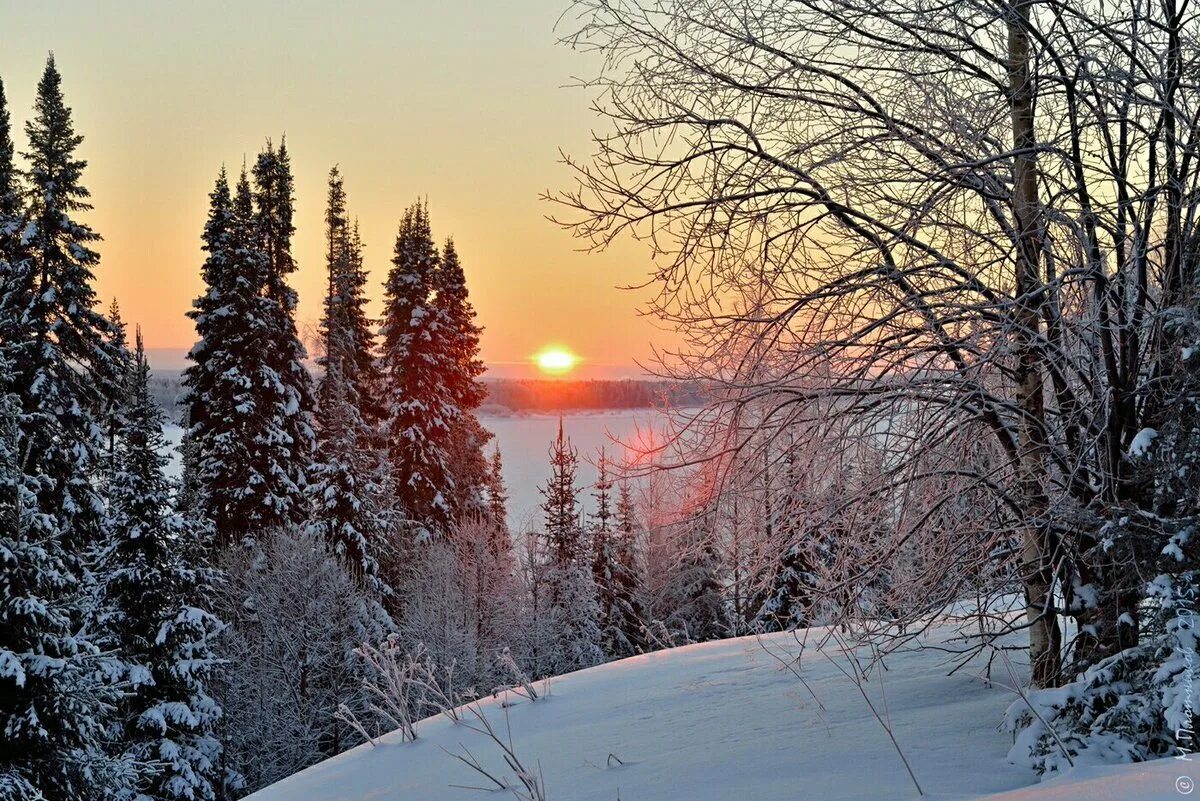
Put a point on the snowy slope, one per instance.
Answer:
(724, 722)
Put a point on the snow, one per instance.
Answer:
(1160, 780)
(1142, 442)
(724, 720)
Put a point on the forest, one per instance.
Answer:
(936, 271)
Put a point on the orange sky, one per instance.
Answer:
(455, 100)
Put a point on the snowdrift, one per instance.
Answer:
(725, 721)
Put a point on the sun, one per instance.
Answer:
(555, 360)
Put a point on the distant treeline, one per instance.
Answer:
(513, 395)
(167, 390)
(542, 395)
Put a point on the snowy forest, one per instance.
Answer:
(200, 639)
(936, 273)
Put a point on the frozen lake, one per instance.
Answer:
(524, 441)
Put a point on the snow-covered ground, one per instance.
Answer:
(724, 721)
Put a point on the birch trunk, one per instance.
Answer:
(1045, 638)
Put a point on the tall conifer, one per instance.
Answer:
(240, 476)
(457, 338)
(289, 396)
(343, 490)
(158, 585)
(420, 410)
(619, 614)
(59, 366)
(568, 572)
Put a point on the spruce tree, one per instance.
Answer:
(116, 399)
(694, 592)
(420, 408)
(238, 476)
(632, 608)
(58, 368)
(12, 213)
(287, 394)
(457, 336)
(346, 302)
(568, 574)
(157, 585)
(788, 601)
(15, 273)
(343, 493)
(66, 366)
(560, 506)
(11, 209)
(497, 509)
(343, 490)
(619, 615)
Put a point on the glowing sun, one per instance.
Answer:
(555, 360)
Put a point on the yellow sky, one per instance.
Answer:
(462, 102)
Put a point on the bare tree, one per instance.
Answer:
(915, 224)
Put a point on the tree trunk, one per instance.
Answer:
(1045, 638)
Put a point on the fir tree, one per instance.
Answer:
(343, 491)
(65, 366)
(420, 409)
(10, 195)
(15, 273)
(346, 305)
(789, 599)
(157, 584)
(561, 503)
(457, 338)
(497, 509)
(58, 367)
(467, 478)
(287, 392)
(568, 575)
(240, 479)
(694, 593)
(631, 608)
(116, 401)
(619, 614)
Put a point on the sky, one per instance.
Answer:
(464, 103)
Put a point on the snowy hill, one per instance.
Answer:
(725, 721)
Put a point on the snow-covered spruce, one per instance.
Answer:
(287, 389)
(243, 417)
(157, 584)
(1141, 702)
(421, 406)
(566, 571)
(457, 336)
(58, 371)
(614, 570)
(346, 499)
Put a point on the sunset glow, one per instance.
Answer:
(556, 360)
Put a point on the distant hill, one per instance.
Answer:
(518, 395)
